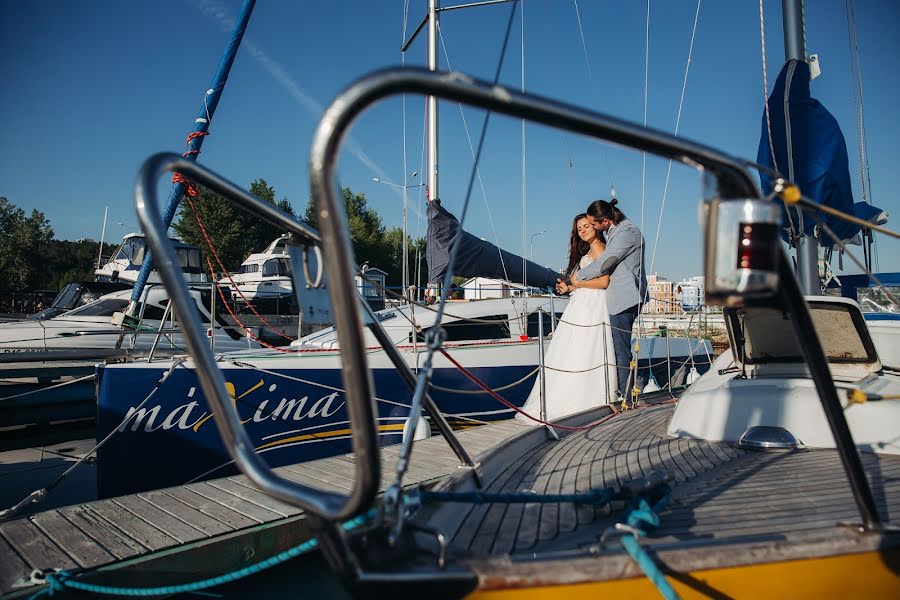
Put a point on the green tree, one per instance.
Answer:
(234, 233)
(24, 245)
(259, 233)
(367, 233)
(69, 261)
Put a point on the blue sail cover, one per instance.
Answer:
(818, 161)
(477, 257)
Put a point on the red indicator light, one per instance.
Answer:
(757, 246)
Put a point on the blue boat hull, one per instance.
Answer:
(173, 439)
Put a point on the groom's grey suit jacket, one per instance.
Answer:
(623, 261)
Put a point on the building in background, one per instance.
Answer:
(692, 293)
(662, 296)
(480, 288)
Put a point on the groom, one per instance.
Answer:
(623, 261)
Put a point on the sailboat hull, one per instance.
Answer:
(293, 405)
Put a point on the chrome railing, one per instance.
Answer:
(339, 266)
(726, 179)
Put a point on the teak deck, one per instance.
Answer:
(722, 495)
(199, 530)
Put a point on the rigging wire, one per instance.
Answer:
(856, 79)
(843, 248)
(762, 37)
(524, 196)
(465, 123)
(436, 338)
(587, 61)
(558, 84)
(641, 292)
(794, 232)
(858, 106)
(687, 68)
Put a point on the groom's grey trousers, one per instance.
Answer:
(621, 335)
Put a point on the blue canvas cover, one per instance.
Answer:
(818, 159)
(477, 257)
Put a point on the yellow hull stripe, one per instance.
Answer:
(324, 435)
(864, 575)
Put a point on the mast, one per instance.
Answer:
(433, 192)
(102, 238)
(807, 245)
(201, 129)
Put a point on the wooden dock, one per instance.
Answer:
(200, 530)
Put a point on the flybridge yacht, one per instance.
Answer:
(263, 275)
(125, 263)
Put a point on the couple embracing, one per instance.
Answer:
(589, 356)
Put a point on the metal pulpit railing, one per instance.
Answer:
(360, 404)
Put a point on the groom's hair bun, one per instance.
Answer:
(614, 201)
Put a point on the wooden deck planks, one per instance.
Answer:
(216, 510)
(132, 525)
(35, 549)
(82, 549)
(101, 532)
(106, 535)
(197, 519)
(13, 567)
(721, 492)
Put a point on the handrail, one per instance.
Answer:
(733, 182)
(360, 404)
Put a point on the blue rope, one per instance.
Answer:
(59, 581)
(640, 515)
(601, 496)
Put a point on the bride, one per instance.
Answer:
(580, 362)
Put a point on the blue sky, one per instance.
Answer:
(90, 89)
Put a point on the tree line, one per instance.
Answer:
(32, 259)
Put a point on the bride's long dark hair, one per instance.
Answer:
(577, 246)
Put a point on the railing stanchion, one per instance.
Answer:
(552, 314)
(605, 327)
(542, 374)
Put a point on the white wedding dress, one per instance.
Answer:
(580, 362)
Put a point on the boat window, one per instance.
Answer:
(138, 255)
(248, 269)
(840, 327)
(120, 253)
(68, 297)
(99, 308)
(533, 323)
(369, 291)
(276, 266)
(463, 330)
(153, 312)
(131, 250)
(188, 257)
(193, 257)
(876, 300)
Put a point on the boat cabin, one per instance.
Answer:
(126, 261)
(763, 381)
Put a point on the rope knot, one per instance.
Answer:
(643, 514)
(191, 188)
(54, 581)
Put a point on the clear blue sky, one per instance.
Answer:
(90, 89)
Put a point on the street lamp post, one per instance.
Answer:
(530, 257)
(404, 277)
